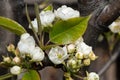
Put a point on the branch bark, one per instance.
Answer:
(116, 53)
(105, 12)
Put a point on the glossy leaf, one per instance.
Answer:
(64, 32)
(50, 7)
(11, 25)
(31, 75)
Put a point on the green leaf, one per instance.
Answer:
(50, 7)
(11, 25)
(31, 75)
(65, 32)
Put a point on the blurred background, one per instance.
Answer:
(106, 45)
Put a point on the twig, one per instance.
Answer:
(112, 59)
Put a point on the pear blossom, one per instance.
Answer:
(15, 70)
(84, 48)
(37, 54)
(35, 25)
(79, 40)
(26, 44)
(93, 76)
(115, 27)
(58, 54)
(71, 48)
(47, 17)
(66, 13)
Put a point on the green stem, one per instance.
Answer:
(3, 77)
(48, 46)
(42, 38)
(28, 18)
(77, 76)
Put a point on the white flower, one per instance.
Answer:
(24, 36)
(79, 40)
(58, 54)
(71, 48)
(15, 70)
(66, 13)
(26, 44)
(115, 27)
(47, 17)
(93, 76)
(35, 25)
(37, 54)
(84, 48)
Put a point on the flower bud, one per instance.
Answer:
(16, 60)
(17, 52)
(11, 48)
(71, 48)
(86, 62)
(15, 70)
(6, 59)
(92, 56)
(72, 62)
(79, 55)
(68, 78)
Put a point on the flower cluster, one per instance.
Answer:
(31, 51)
(26, 46)
(48, 17)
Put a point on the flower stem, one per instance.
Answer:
(5, 76)
(77, 76)
(28, 18)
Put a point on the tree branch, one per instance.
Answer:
(103, 16)
(116, 53)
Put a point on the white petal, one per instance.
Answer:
(15, 70)
(26, 44)
(35, 25)
(58, 54)
(84, 48)
(93, 76)
(25, 36)
(37, 54)
(66, 13)
(47, 17)
(115, 27)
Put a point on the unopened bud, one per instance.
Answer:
(7, 59)
(68, 78)
(71, 48)
(72, 63)
(92, 56)
(79, 55)
(11, 48)
(16, 60)
(17, 52)
(15, 70)
(86, 62)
